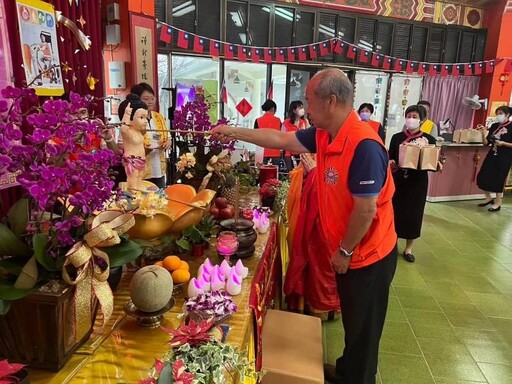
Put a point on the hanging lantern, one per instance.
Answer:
(503, 79)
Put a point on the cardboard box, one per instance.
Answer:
(292, 349)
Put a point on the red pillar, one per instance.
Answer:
(499, 34)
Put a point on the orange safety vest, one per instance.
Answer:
(375, 125)
(290, 127)
(270, 121)
(336, 200)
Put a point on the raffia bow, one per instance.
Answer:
(217, 164)
(84, 258)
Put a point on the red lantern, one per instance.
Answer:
(504, 78)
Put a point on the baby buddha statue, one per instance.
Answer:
(134, 121)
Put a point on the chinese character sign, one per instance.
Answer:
(143, 49)
(38, 38)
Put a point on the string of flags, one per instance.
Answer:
(198, 44)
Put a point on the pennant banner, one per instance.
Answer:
(327, 47)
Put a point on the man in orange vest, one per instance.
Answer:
(355, 189)
(269, 120)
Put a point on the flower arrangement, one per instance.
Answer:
(195, 161)
(197, 357)
(66, 178)
(270, 188)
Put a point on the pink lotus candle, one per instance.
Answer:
(234, 283)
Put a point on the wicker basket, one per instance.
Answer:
(39, 331)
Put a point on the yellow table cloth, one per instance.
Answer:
(124, 352)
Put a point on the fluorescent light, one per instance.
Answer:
(326, 30)
(183, 9)
(235, 16)
(283, 13)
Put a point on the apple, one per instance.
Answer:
(227, 213)
(246, 213)
(221, 202)
(214, 211)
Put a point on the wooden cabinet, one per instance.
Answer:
(457, 180)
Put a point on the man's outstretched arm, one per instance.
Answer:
(267, 138)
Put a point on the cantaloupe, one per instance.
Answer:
(151, 288)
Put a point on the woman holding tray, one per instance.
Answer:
(495, 168)
(411, 185)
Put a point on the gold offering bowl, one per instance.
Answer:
(184, 208)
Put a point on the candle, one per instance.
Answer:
(227, 244)
(268, 172)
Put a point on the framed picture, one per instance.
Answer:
(38, 40)
(143, 45)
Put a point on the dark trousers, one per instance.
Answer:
(364, 296)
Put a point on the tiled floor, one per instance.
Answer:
(450, 313)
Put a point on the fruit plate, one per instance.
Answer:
(148, 319)
(177, 289)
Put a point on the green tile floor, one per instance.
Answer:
(450, 313)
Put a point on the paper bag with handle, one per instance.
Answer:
(429, 157)
(408, 156)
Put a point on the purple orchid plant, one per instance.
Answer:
(53, 151)
(194, 117)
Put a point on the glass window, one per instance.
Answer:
(371, 87)
(184, 14)
(284, 18)
(164, 81)
(279, 89)
(201, 75)
(259, 21)
(245, 81)
(236, 22)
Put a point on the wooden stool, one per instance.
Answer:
(292, 349)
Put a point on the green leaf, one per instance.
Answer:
(5, 305)
(183, 244)
(40, 243)
(10, 245)
(166, 375)
(10, 267)
(8, 292)
(18, 216)
(144, 243)
(123, 253)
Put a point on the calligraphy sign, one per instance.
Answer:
(143, 49)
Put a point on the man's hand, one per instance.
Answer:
(499, 143)
(106, 134)
(308, 161)
(223, 133)
(340, 263)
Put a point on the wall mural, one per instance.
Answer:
(428, 11)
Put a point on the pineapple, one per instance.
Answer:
(229, 187)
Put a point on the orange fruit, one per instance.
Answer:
(184, 265)
(159, 263)
(171, 263)
(180, 276)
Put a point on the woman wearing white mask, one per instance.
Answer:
(295, 121)
(365, 112)
(411, 185)
(496, 166)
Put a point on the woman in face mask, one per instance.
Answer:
(295, 121)
(411, 185)
(496, 166)
(365, 112)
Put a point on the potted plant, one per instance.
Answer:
(65, 185)
(207, 225)
(193, 240)
(268, 192)
(198, 357)
(202, 158)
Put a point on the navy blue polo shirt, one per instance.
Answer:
(368, 169)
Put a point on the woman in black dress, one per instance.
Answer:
(411, 185)
(495, 168)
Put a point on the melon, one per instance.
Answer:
(151, 288)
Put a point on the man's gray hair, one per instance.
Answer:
(333, 81)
